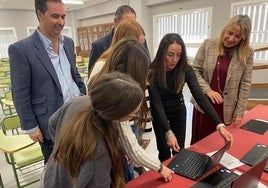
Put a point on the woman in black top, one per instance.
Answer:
(167, 75)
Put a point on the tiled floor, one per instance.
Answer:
(8, 177)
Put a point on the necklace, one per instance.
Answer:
(221, 71)
(218, 78)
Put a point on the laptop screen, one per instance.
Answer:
(216, 157)
(250, 178)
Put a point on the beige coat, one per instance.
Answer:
(238, 80)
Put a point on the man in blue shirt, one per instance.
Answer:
(43, 73)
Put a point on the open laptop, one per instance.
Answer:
(226, 178)
(257, 153)
(193, 165)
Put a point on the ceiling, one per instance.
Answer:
(29, 4)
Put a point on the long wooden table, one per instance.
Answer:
(243, 141)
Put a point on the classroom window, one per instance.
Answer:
(258, 12)
(193, 26)
(7, 37)
(30, 30)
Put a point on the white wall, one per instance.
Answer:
(18, 19)
(21, 19)
(145, 10)
(104, 13)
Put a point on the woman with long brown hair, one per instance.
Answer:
(86, 151)
(167, 75)
(128, 56)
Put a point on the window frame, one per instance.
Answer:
(5, 44)
(260, 57)
(192, 47)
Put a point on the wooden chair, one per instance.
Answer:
(5, 70)
(7, 104)
(5, 84)
(23, 154)
(5, 80)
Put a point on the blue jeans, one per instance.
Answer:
(128, 170)
(135, 129)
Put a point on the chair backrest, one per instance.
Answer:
(8, 95)
(11, 123)
(7, 104)
(4, 60)
(5, 80)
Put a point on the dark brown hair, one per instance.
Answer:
(157, 69)
(41, 5)
(124, 9)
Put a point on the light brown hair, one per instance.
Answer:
(95, 120)
(130, 57)
(243, 47)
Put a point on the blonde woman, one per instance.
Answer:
(224, 67)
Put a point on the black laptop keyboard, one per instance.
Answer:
(191, 165)
(227, 181)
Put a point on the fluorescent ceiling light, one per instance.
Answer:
(73, 2)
